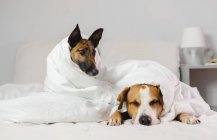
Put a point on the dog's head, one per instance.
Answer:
(144, 103)
(82, 51)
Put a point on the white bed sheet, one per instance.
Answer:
(98, 131)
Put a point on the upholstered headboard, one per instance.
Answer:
(31, 59)
(30, 65)
(165, 53)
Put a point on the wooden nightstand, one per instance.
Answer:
(204, 78)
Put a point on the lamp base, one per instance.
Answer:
(193, 56)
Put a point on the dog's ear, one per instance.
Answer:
(74, 37)
(161, 95)
(122, 97)
(96, 36)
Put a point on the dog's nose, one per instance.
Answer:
(95, 72)
(145, 120)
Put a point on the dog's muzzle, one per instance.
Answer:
(93, 72)
(89, 69)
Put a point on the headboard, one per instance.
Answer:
(165, 53)
(30, 64)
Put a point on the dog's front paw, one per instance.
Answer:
(189, 119)
(115, 119)
(114, 122)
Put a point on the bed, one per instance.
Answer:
(30, 68)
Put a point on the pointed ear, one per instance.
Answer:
(96, 36)
(74, 37)
(122, 97)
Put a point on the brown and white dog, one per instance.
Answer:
(82, 51)
(144, 104)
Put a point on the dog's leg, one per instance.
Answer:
(117, 118)
(187, 118)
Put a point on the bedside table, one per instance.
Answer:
(204, 77)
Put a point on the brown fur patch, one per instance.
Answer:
(181, 116)
(122, 97)
(134, 100)
(75, 52)
(116, 115)
(155, 95)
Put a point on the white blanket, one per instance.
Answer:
(177, 96)
(70, 95)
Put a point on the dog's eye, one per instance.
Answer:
(135, 103)
(154, 102)
(82, 52)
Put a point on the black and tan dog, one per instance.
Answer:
(82, 51)
(144, 104)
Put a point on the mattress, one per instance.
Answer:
(98, 131)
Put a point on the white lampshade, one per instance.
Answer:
(193, 37)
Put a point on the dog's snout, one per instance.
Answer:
(145, 120)
(88, 68)
(95, 72)
(92, 71)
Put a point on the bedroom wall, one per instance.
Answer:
(23, 21)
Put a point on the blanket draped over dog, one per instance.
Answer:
(69, 95)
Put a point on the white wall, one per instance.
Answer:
(22, 21)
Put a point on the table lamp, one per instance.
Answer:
(192, 40)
